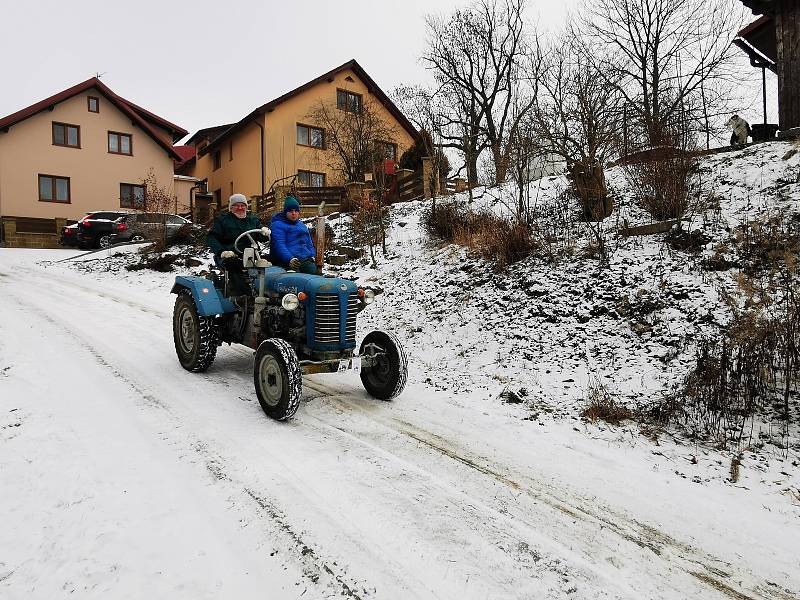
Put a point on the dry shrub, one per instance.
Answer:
(768, 243)
(601, 406)
(666, 183)
(753, 369)
(493, 237)
(370, 220)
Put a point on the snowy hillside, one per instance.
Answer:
(124, 476)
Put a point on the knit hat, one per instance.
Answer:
(290, 203)
(236, 199)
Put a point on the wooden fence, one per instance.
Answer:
(411, 187)
(309, 198)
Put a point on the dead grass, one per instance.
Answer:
(602, 407)
(494, 238)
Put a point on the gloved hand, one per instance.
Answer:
(294, 264)
(265, 232)
(227, 254)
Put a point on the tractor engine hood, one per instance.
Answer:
(284, 282)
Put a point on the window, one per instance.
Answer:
(93, 104)
(218, 198)
(131, 195)
(386, 150)
(348, 101)
(217, 157)
(66, 135)
(120, 143)
(310, 136)
(230, 151)
(311, 179)
(53, 189)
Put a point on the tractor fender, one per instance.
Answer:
(207, 298)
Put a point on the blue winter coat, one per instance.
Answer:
(289, 240)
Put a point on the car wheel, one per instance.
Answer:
(387, 377)
(104, 241)
(195, 336)
(277, 378)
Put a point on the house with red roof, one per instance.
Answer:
(82, 149)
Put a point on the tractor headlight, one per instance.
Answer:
(369, 297)
(290, 302)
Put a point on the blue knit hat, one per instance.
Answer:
(290, 203)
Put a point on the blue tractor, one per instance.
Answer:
(296, 323)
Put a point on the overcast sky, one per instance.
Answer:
(210, 62)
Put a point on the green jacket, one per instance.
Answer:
(227, 227)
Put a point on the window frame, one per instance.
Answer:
(133, 196)
(89, 104)
(309, 128)
(383, 145)
(53, 188)
(310, 175)
(349, 93)
(216, 160)
(66, 143)
(120, 135)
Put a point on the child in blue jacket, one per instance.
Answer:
(291, 245)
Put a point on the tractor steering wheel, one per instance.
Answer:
(253, 242)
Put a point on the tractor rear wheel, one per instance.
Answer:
(387, 377)
(277, 378)
(195, 336)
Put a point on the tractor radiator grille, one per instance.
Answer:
(326, 324)
(350, 324)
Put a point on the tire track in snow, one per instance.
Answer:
(717, 573)
(316, 570)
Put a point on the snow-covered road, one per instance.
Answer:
(124, 476)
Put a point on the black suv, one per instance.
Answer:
(95, 229)
(137, 227)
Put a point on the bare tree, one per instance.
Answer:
(356, 137)
(160, 201)
(577, 116)
(663, 54)
(475, 57)
(577, 112)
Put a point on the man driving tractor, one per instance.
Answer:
(223, 233)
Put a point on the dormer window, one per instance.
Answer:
(93, 104)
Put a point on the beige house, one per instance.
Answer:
(82, 149)
(281, 139)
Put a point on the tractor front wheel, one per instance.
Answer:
(277, 378)
(387, 377)
(195, 336)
